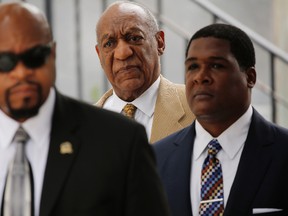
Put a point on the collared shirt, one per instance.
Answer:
(145, 104)
(232, 141)
(38, 128)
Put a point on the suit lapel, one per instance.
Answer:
(168, 110)
(179, 172)
(254, 162)
(101, 101)
(62, 151)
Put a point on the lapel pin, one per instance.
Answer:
(66, 148)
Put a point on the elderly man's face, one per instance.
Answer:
(128, 50)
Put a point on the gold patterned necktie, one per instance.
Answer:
(129, 110)
(18, 190)
(212, 196)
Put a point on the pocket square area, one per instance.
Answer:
(265, 210)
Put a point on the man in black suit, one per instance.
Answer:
(220, 74)
(84, 160)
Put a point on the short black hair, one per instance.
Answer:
(241, 45)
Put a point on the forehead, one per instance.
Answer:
(22, 30)
(209, 45)
(121, 18)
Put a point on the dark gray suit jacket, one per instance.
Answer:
(261, 180)
(107, 169)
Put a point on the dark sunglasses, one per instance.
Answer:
(32, 58)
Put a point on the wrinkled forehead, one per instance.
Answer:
(118, 13)
(122, 18)
(127, 8)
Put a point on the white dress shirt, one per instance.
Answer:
(145, 106)
(38, 128)
(232, 141)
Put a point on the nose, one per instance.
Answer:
(21, 72)
(202, 76)
(122, 50)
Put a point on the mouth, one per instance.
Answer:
(202, 95)
(129, 68)
(23, 89)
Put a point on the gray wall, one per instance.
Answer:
(78, 69)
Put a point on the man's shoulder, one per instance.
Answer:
(172, 139)
(174, 89)
(75, 107)
(103, 98)
(166, 82)
(259, 122)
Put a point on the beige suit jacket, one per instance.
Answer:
(172, 112)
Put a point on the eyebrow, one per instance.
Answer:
(210, 58)
(128, 31)
(105, 36)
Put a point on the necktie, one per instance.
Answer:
(129, 110)
(212, 196)
(18, 190)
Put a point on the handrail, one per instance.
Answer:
(185, 34)
(261, 41)
(267, 90)
(273, 50)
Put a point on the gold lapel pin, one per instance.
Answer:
(66, 148)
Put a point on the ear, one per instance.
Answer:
(251, 77)
(97, 50)
(160, 37)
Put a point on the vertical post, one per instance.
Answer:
(105, 81)
(186, 42)
(158, 16)
(272, 77)
(215, 18)
(48, 11)
(159, 12)
(78, 49)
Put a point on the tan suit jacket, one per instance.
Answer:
(172, 112)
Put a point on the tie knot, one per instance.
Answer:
(129, 110)
(21, 136)
(214, 147)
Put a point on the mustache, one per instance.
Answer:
(29, 82)
(24, 112)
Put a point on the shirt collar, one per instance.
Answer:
(8, 126)
(37, 126)
(231, 140)
(145, 102)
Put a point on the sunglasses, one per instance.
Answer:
(32, 58)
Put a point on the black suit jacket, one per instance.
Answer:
(261, 179)
(108, 168)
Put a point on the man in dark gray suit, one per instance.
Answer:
(220, 75)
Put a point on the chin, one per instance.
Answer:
(27, 109)
(132, 86)
(24, 113)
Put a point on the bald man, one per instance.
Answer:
(129, 46)
(75, 166)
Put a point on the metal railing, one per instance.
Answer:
(273, 51)
(220, 15)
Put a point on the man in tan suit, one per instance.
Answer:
(129, 46)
